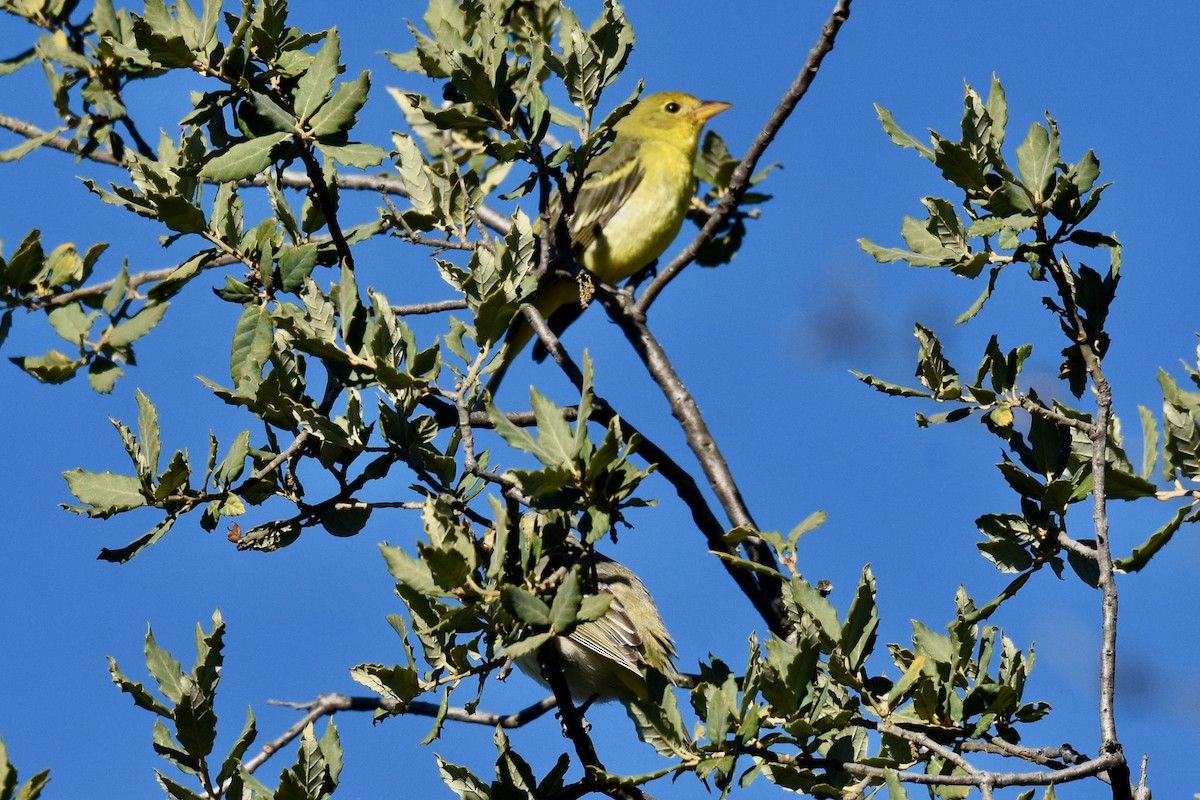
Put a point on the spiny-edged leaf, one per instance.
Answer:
(72, 323)
(515, 436)
(103, 374)
(315, 83)
(886, 255)
(556, 442)
(53, 367)
(16, 153)
(123, 554)
(862, 623)
(166, 670)
(148, 432)
(461, 780)
(1150, 441)
(935, 645)
(297, 264)
(175, 789)
(658, 720)
(105, 492)
(819, 609)
(898, 136)
(409, 571)
(395, 682)
(229, 766)
(140, 694)
(565, 608)
(415, 174)
(1142, 554)
(1036, 158)
(356, 154)
(526, 606)
(196, 722)
(242, 160)
(279, 117)
(906, 681)
(525, 646)
(889, 388)
(338, 113)
(252, 339)
(138, 325)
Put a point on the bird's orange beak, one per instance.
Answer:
(710, 108)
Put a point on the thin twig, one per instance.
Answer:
(293, 179)
(740, 180)
(922, 740)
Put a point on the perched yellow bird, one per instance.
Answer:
(603, 659)
(629, 208)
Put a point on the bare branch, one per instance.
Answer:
(429, 308)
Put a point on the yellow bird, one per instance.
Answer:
(603, 659)
(629, 208)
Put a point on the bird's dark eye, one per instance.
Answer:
(672, 108)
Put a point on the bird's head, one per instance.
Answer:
(670, 115)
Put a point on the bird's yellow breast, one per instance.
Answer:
(650, 220)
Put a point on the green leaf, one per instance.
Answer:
(398, 683)
(1036, 159)
(415, 174)
(252, 340)
(886, 255)
(295, 265)
(121, 555)
(862, 623)
(165, 669)
(409, 571)
(53, 367)
(1142, 554)
(242, 160)
(345, 519)
(889, 388)
(72, 323)
(148, 433)
(138, 325)
(338, 113)
(315, 83)
(819, 609)
(898, 136)
(354, 155)
(27, 146)
(1150, 440)
(896, 790)
(103, 374)
(565, 608)
(526, 606)
(936, 646)
(104, 492)
(235, 460)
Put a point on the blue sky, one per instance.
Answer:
(765, 344)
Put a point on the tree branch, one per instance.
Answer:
(703, 446)
(763, 599)
(740, 181)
